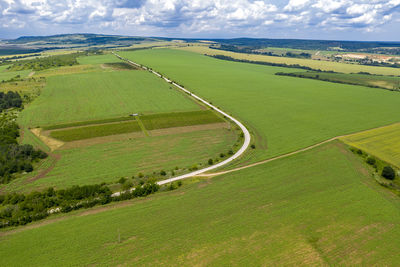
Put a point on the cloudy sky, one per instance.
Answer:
(308, 19)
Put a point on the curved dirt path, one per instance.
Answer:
(246, 133)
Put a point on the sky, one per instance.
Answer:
(302, 19)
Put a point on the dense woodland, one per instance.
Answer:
(14, 158)
(10, 100)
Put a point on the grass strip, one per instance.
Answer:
(177, 119)
(95, 131)
(84, 123)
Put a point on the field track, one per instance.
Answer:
(284, 155)
(246, 133)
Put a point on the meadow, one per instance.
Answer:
(315, 64)
(316, 208)
(101, 95)
(383, 143)
(7, 75)
(98, 59)
(284, 114)
(110, 159)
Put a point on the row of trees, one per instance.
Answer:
(223, 57)
(20, 209)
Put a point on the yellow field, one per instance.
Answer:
(383, 143)
(315, 64)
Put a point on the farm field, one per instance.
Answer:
(383, 143)
(387, 82)
(284, 114)
(315, 64)
(178, 119)
(100, 95)
(99, 59)
(316, 208)
(108, 159)
(126, 125)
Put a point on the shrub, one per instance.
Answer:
(222, 155)
(210, 162)
(140, 175)
(163, 173)
(122, 180)
(253, 146)
(388, 173)
(230, 152)
(371, 160)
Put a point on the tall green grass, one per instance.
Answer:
(316, 208)
(284, 113)
(102, 95)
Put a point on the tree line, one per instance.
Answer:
(19, 209)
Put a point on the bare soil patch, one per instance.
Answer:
(52, 143)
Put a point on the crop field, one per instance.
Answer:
(383, 143)
(85, 123)
(100, 59)
(315, 208)
(101, 95)
(283, 113)
(387, 82)
(108, 160)
(87, 132)
(315, 64)
(178, 119)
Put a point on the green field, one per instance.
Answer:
(178, 119)
(100, 59)
(383, 143)
(387, 82)
(85, 123)
(7, 75)
(315, 64)
(100, 95)
(87, 132)
(108, 160)
(284, 114)
(313, 209)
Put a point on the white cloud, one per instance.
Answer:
(181, 17)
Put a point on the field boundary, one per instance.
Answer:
(246, 133)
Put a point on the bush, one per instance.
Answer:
(222, 155)
(253, 146)
(371, 161)
(122, 180)
(210, 162)
(163, 173)
(388, 173)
